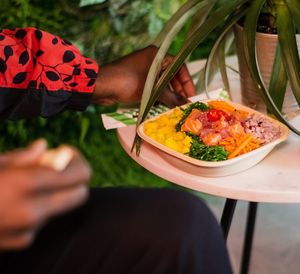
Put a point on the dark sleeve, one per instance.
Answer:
(42, 74)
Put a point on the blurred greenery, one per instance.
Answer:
(103, 30)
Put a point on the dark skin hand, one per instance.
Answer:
(123, 80)
(31, 194)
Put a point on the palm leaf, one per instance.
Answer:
(278, 81)
(294, 8)
(213, 61)
(217, 54)
(251, 57)
(228, 41)
(218, 63)
(289, 50)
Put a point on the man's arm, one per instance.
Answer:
(42, 74)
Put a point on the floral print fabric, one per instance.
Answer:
(43, 61)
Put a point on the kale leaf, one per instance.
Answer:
(200, 151)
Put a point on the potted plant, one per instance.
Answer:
(222, 17)
(269, 60)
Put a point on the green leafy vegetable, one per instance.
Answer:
(188, 110)
(203, 152)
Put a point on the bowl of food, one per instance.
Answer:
(213, 137)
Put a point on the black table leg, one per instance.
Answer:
(227, 216)
(248, 237)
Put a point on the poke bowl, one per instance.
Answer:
(213, 137)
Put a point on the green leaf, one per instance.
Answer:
(218, 63)
(251, 57)
(294, 8)
(289, 50)
(84, 3)
(85, 124)
(203, 152)
(278, 81)
(221, 57)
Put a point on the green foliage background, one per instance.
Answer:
(104, 31)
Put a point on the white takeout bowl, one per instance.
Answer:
(221, 168)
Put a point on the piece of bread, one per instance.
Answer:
(58, 158)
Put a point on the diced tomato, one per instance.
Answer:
(192, 125)
(216, 114)
(213, 115)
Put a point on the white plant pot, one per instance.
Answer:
(265, 48)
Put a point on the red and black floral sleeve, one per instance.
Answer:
(42, 74)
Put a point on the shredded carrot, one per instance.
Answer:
(222, 105)
(239, 145)
(245, 141)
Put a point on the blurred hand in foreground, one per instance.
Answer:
(31, 193)
(123, 80)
